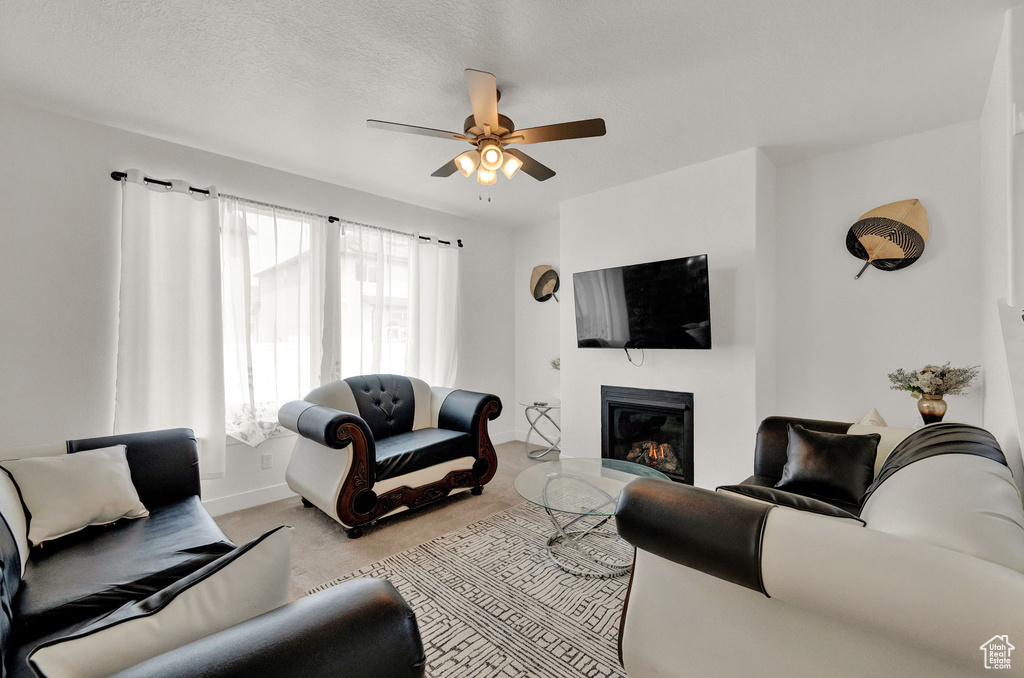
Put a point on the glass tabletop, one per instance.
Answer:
(552, 404)
(583, 486)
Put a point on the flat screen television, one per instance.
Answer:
(661, 304)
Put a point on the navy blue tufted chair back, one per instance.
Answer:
(385, 402)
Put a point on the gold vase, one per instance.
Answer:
(931, 407)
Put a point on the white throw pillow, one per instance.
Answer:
(13, 513)
(872, 418)
(68, 493)
(889, 438)
(245, 583)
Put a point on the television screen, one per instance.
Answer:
(662, 304)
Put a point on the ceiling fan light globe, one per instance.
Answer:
(511, 166)
(467, 162)
(486, 176)
(491, 156)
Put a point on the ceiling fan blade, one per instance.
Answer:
(446, 170)
(483, 96)
(530, 166)
(564, 130)
(413, 129)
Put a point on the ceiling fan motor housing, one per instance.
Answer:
(505, 125)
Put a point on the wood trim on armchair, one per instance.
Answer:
(358, 504)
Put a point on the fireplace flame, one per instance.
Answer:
(651, 453)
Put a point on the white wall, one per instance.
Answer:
(59, 267)
(997, 154)
(838, 337)
(708, 208)
(536, 327)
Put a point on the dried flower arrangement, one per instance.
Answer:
(934, 380)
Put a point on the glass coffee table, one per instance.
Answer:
(586, 491)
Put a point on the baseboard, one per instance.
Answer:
(244, 500)
(503, 437)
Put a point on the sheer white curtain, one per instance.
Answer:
(169, 354)
(307, 302)
(371, 323)
(398, 310)
(433, 351)
(273, 267)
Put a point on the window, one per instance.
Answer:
(306, 303)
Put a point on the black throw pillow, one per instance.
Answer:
(829, 466)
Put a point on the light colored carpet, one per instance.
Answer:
(490, 603)
(321, 551)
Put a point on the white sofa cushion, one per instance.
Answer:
(68, 493)
(962, 502)
(249, 581)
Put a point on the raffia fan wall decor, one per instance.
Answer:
(889, 237)
(543, 283)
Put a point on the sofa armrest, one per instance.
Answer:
(164, 464)
(790, 500)
(359, 629)
(713, 532)
(324, 425)
(464, 410)
(926, 596)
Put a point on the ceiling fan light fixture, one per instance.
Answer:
(486, 176)
(467, 162)
(511, 166)
(491, 156)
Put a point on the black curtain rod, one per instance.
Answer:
(118, 176)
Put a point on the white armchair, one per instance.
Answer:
(374, 445)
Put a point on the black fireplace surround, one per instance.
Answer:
(649, 427)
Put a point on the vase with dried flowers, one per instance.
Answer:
(930, 384)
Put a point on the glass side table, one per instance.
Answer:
(535, 411)
(582, 489)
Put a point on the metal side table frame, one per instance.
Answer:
(539, 410)
(572, 538)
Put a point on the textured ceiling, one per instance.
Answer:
(290, 84)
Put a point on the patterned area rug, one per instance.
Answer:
(490, 603)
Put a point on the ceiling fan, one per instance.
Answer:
(491, 133)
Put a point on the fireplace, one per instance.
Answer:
(649, 427)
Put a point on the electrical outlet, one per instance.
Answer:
(268, 461)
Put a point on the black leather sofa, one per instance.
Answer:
(751, 580)
(72, 581)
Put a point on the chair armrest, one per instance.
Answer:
(463, 410)
(708, 531)
(321, 424)
(359, 629)
(164, 464)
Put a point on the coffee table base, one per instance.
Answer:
(591, 567)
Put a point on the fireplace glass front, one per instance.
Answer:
(649, 427)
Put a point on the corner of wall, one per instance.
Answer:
(766, 395)
(536, 323)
